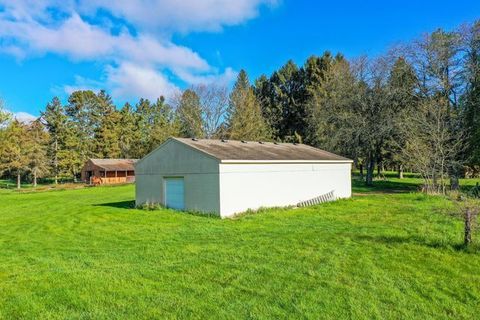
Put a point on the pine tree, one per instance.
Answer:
(84, 119)
(471, 98)
(164, 124)
(107, 127)
(401, 88)
(244, 116)
(36, 146)
(281, 100)
(128, 132)
(55, 120)
(189, 113)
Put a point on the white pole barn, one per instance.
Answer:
(228, 177)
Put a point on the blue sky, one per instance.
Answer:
(147, 48)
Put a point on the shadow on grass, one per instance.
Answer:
(384, 186)
(435, 244)
(130, 204)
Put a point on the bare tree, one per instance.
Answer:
(432, 148)
(213, 102)
(468, 209)
(202, 110)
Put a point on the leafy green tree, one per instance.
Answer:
(4, 115)
(14, 150)
(244, 116)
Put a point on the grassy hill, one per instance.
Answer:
(88, 254)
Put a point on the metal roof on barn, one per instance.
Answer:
(115, 164)
(258, 150)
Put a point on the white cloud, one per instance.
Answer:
(81, 83)
(224, 78)
(129, 80)
(135, 49)
(24, 117)
(181, 15)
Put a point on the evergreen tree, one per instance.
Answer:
(164, 124)
(107, 130)
(401, 89)
(36, 146)
(156, 123)
(244, 116)
(55, 121)
(128, 132)
(84, 118)
(189, 114)
(282, 100)
(471, 98)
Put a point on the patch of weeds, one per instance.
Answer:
(151, 206)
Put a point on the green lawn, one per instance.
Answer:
(88, 254)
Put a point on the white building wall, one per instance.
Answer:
(175, 159)
(246, 186)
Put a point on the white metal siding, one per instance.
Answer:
(229, 188)
(251, 186)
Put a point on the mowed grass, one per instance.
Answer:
(87, 254)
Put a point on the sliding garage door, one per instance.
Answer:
(174, 193)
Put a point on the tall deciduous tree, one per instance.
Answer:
(14, 150)
(244, 116)
(4, 115)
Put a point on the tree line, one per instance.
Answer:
(416, 106)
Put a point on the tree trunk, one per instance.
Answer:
(361, 170)
(468, 227)
(55, 161)
(400, 171)
(370, 170)
(19, 185)
(35, 178)
(455, 177)
(379, 170)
